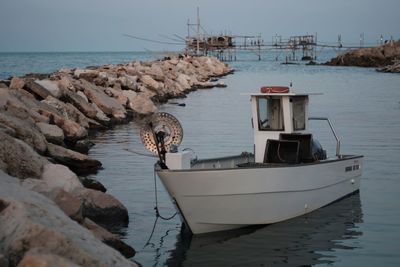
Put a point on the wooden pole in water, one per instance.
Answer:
(198, 32)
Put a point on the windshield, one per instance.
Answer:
(270, 116)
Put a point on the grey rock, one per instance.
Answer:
(36, 258)
(108, 238)
(52, 133)
(149, 82)
(69, 111)
(51, 86)
(25, 129)
(17, 83)
(82, 94)
(80, 163)
(19, 159)
(30, 220)
(83, 146)
(100, 115)
(71, 205)
(102, 208)
(65, 84)
(72, 130)
(5, 129)
(92, 184)
(3, 260)
(36, 89)
(117, 94)
(108, 105)
(60, 176)
(142, 104)
(86, 74)
(15, 102)
(81, 103)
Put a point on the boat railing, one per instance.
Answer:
(333, 131)
(223, 162)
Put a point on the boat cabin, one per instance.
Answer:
(280, 124)
(281, 135)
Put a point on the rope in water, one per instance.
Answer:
(156, 198)
(140, 153)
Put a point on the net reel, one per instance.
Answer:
(161, 133)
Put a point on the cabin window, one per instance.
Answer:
(270, 115)
(299, 112)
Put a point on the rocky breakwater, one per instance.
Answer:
(385, 57)
(50, 216)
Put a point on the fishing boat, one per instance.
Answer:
(287, 175)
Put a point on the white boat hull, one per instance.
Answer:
(222, 199)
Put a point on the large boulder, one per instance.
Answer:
(102, 208)
(29, 220)
(184, 80)
(92, 184)
(69, 204)
(51, 132)
(80, 163)
(108, 238)
(7, 130)
(130, 94)
(156, 72)
(25, 128)
(19, 159)
(35, 258)
(173, 88)
(81, 103)
(51, 86)
(108, 105)
(59, 176)
(66, 84)
(87, 74)
(101, 116)
(36, 89)
(128, 82)
(142, 104)
(22, 99)
(117, 94)
(149, 82)
(69, 111)
(17, 83)
(72, 130)
(14, 102)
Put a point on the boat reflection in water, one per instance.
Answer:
(298, 242)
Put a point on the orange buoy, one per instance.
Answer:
(274, 89)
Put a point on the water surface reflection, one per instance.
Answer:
(302, 241)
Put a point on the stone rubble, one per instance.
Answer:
(49, 215)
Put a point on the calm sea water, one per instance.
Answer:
(18, 64)
(362, 230)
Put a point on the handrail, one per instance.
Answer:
(333, 131)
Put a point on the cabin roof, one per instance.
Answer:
(278, 94)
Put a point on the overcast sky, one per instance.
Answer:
(99, 25)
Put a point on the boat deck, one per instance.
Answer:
(246, 160)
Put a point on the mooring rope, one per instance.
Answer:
(156, 198)
(140, 153)
(158, 215)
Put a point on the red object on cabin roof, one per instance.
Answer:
(274, 89)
